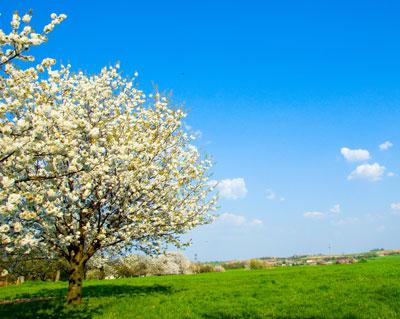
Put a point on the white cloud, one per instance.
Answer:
(257, 222)
(233, 219)
(271, 195)
(335, 209)
(239, 220)
(314, 215)
(231, 188)
(395, 206)
(390, 174)
(354, 155)
(371, 172)
(385, 146)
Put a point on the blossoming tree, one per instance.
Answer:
(106, 168)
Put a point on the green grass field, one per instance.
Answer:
(363, 290)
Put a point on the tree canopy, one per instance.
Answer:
(90, 163)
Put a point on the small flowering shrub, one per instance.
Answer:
(171, 263)
(100, 267)
(176, 263)
(130, 266)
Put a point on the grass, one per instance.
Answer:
(363, 290)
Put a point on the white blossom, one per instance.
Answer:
(17, 227)
(4, 228)
(26, 18)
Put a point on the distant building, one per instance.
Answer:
(345, 260)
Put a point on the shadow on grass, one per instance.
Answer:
(47, 309)
(253, 315)
(56, 308)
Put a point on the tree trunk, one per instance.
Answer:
(76, 275)
(57, 277)
(102, 273)
(20, 280)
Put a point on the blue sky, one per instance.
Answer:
(277, 89)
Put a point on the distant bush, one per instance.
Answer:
(171, 263)
(175, 263)
(94, 274)
(201, 268)
(258, 264)
(195, 268)
(235, 264)
(130, 266)
(101, 267)
(219, 268)
(33, 266)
